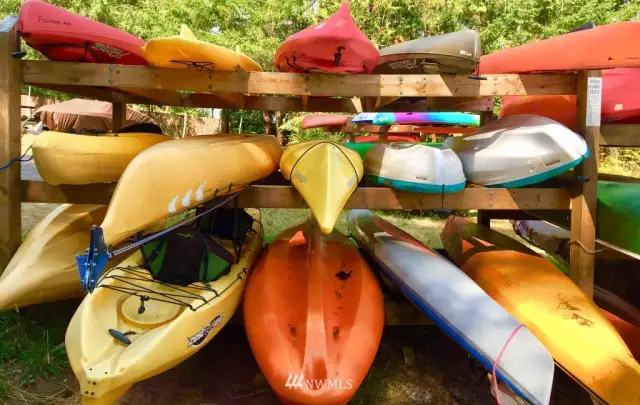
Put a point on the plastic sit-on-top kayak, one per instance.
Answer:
(63, 36)
(335, 45)
(186, 51)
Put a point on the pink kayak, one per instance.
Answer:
(620, 101)
(335, 45)
(63, 36)
(318, 121)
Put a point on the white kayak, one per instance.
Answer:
(458, 306)
(415, 167)
(518, 150)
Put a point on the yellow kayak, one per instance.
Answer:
(162, 336)
(44, 268)
(25, 142)
(83, 159)
(325, 173)
(576, 332)
(174, 176)
(185, 51)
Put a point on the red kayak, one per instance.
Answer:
(620, 101)
(335, 45)
(390, 138)
(608, 46)
(629, 333)
(319, 121)
(63, 36)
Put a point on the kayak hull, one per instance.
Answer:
(517, 151)
(319, 121)
(83, 159)
(177, 175)
(576, 332)
(325, 173)
(415, 168)
(417, 118)
(43, 269)
(313, 312)
(165, 334)
(364, 144)
(457, 305)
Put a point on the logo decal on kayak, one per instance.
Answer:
(109, 50)
(199, 337)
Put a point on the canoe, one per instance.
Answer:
(445, 118)
(319, 121)
(314, 314)
(180, 174)
(363, 147)
(619, 103)
(185, 51)
(84, 159)
(452, 53)
(61, 35)
(335, 45)
(517, 151)
(414, 167)
(457, 305)
(325, 173)
(603, 47)
(43, 269)
(577, 334)
(111, 345)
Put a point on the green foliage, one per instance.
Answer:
(251, 121)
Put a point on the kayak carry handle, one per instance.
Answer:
(477, 77)
(18, 54)
(120, 337)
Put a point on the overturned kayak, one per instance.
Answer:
(319, 121)
(84, 159)
(517, 151)
(418, 118)
(185, 51)
(335, 45)
(43, 269)
(176, 175)
(132, 327)
(61, 35)
(574, 330)
(325, 173)
(314, 315)
(457, 305)
(452, 53)
(364, 144)
(415, 167)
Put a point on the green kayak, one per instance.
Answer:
(363, 147)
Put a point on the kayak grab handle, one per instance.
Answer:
(120, 337)
(474, 77)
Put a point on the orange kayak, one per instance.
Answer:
(313, 312)
(576, 332)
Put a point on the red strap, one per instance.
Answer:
(494, 379)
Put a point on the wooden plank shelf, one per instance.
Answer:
(285, 196)
(622, 135)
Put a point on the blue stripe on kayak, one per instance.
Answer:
(417, 187)
(449, 329)
(539, 177)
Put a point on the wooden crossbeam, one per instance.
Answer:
(364, 197)
(624, 135)
(257, 83)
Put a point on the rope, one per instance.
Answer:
(20, 159)
(587, 250)
(494, 379)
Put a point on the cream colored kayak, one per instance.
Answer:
(44, 269)
(84, 159)
(186, 51)
(164, 335)
(325, 173)
(180, 174)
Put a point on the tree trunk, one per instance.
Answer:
(268, 123)
(224, 125)
(282, 138)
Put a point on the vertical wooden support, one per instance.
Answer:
(583, 205)
(483, 218)
(10, 78)
(119, 115)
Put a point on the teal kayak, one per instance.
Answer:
(363, 147)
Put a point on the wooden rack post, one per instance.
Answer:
(119, 115)
(483, 218)
(583, 204)
(10, 79)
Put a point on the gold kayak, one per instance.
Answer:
(84, 159)
(576, 332)
(186, 51)
(325, 173)
(162, 336)
(174, 176)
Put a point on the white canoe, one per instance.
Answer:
(518, 150)
(415, 167)
(458, 306)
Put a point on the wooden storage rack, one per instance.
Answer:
(292, 92)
